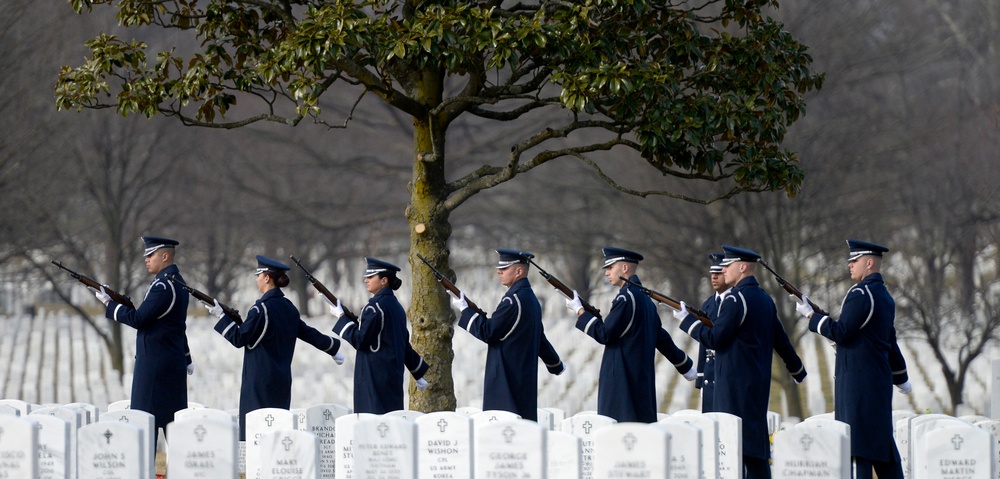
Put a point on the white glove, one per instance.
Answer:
(575, 304)
(339, 358)
(336, 309)
(803, 307)
(905, 388)
(682, 313)
(101, 295)
(190, 369)
(691, 374)
(459, 301)
(215, 309)
(421, 384)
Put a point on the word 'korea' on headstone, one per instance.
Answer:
(444, 445)
(384, 446)
(808, 451)
(54, 455)
(510, 449)
(632, 450)
(110, 450)
(958, 452)
(18, 447)
(203, 448)
(289, 454)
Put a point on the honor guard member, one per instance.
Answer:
(162, 359)
(516, 340)
(743, 340)
(382, 343)
(268, 340)
(706, 356)
(630, 333)
(869, 362)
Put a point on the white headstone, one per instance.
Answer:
(545, 418)
(839, 426)
(773, 422)
(203, 448)
(919, 426)
(557, 416)
(345, 443)
(18, 447)
(54, 454)
(93, 412)
(144, 421)
(515, 447)
(23, 407)
(565, 455)
(486, 417)
(6, 410)
(633, 450)
(585, 426)
(827, 415)
(709, 441)
(74, 417)
(958, 452)
(289, 454)
(901, 434)
(110, 450)
(258, 423)
(321, 420)
(993, 427)
(444, 445)
(206, 413)
(730, 443)
(385, 446)
(468, 410)
(405, 414)
(119, 405)
(806, 450)
(685, 449)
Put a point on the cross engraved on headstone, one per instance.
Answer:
(383, 429)
(957, 441)
(270, 420)
(200, 432)
(493, 418)
(806, 441)
(302, 419)
(508, 434)
(327, 414)
(629, 441)
(123, 419)
(108, 435)
(442, 424)
(587, 426)
(287, 442)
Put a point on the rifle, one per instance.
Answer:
(673, 303)
(232, 313)
(792, 290)
(565, 290)
(451, 287)
(91, 283)
(323, 290)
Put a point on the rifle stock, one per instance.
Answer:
(232, 313)
(790, 288)
(673, 303)
(324, 290)
(566, 291)
(451, 287)
(90, 282)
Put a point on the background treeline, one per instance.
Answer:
(899, 147)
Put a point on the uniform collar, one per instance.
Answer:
(748, 281)
(172, 269)
(872, 278)
(635, 279)
(519, 284)
(272, 293)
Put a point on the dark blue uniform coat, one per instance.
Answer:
(516, 340)
(383, 350)
(629, 333)
(869, 362)
(159, 382)
(268, 338)
(743, 340)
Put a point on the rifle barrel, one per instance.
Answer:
(673, 303)
(323, 289)
(209, 300)
(450, 286)
(92, 283)
(790, 288)
(566, 290)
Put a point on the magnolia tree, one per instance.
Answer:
(702, 90)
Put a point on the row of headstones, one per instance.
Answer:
(307, 443)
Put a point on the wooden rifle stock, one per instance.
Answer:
(90, 282)
(324, 290)
(791, 289)
(566, 291)
(204, 298)
(451, 287)
(673, 303)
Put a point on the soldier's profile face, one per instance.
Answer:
(507, 275)
(614, 271)
(155, 262)
(718, 282)
(375, 283)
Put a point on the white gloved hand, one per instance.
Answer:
(575, 304)
(691, 374)
(422, 384)
(905, 388)
(459, 301)
(190, 368)
(215, 309)
(339, 358)
(336, 309)
(101, 295)
(803, 307)
(680, 314)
